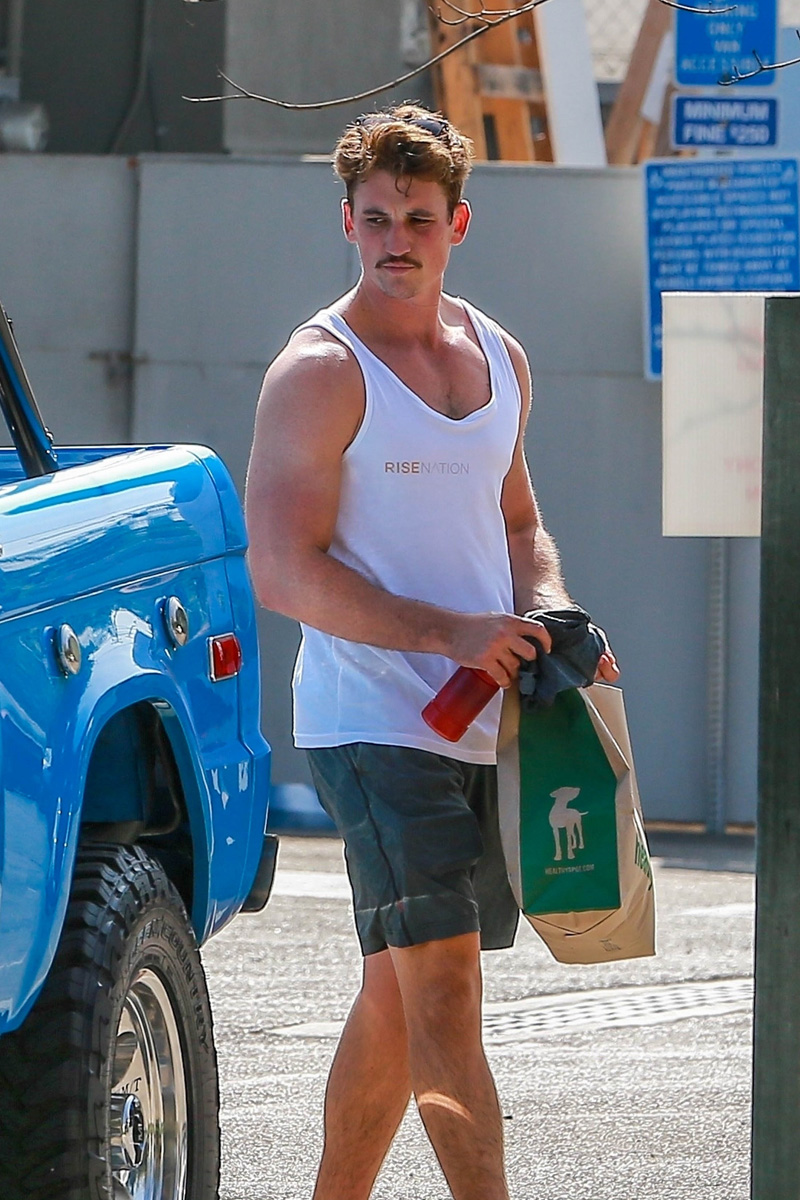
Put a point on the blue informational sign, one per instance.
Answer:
(718, 225)
(711, 121)
(715, 46)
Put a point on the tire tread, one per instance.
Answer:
(51, 1068)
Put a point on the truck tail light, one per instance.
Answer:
(225, 656)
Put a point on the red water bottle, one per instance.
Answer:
(455, 706)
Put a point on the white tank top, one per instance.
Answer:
(420, 516)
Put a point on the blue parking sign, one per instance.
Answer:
(715, 46)
(718, 225)
(722, 121)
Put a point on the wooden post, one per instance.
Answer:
(511, 118)
(624, 129)
(455, 82)
(492, 88)
(776, 1065)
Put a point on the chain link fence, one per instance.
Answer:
(614, 27)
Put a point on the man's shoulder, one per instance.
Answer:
(317, 376)
(311, 342)
(513, 345)
(314, 353)
(515, 348)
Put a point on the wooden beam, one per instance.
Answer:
(530, 58)
(455, 83)
(624, 128)
(511, 119)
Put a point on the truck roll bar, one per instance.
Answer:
(32, 441)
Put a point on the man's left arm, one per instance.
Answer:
(535, 563)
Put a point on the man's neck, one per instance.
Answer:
(386, 318)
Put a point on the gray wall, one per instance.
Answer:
(306, 54)
(226, 257)
(67, 275)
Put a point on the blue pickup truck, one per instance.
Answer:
(133, 797)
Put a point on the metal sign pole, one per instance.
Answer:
(776, 1065)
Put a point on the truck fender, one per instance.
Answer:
(96, 709)
(165, 697)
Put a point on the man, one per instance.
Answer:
(391, 512)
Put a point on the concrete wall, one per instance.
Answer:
(317, 53)
(224, 258)
(67, 279)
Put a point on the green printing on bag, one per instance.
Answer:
(642, 860)
(568, 823)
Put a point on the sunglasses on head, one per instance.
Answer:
(433, 125)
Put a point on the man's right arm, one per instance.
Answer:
(310, 409)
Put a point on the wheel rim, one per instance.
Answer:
(148, 1107)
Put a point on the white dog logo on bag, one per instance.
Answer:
(568, 819)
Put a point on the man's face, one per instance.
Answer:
(404, 233)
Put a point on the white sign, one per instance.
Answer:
(713, 382)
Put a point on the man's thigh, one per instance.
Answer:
(421, 843)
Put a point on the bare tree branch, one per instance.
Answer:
(707, 12)
(488, 19)
(483, 14)
(736, 76)
(459, 20)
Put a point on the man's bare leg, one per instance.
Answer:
(440, 983)
(368, 1088)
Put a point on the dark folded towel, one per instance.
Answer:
(572, 662)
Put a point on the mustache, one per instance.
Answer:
(398, 260)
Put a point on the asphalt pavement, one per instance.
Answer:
(623, 1081)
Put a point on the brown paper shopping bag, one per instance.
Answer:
(571, 825)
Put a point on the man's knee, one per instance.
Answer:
(441, 987)
(380, 993)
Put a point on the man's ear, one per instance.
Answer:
(462, 215)
(347, 220)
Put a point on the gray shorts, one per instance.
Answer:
(422, 844)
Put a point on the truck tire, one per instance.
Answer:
(109, 1088)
